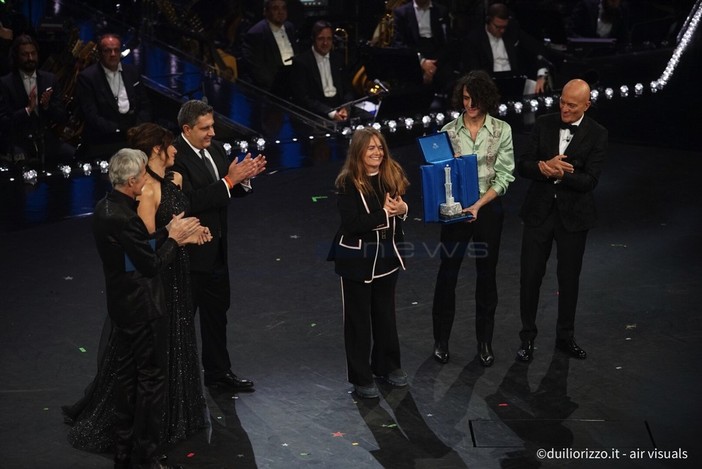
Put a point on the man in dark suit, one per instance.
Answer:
(32, 106)
(209, 181)
(269, 47)
(501, 48)
(318, 78)
(137, 307)
(112, 98)
(424, 27)
(563, 161)
(600, 19)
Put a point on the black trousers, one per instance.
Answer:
(142, 354)
(536, 249)
(211, 299)
(485, 233)
(370, 328)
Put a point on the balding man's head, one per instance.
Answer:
(575, 100)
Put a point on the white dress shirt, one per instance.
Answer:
(117, 88)
(423, 20)
(500, 60)
(284, 45)
(565, 137)
(325, 74)
(30, 82)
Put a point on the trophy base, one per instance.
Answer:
(449, 211)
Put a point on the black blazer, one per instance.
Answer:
(574, 194)
(135, 296)
(582, 21)
(103, 122)
(406, 29)
(15, 121)
(209, 201)
(357, 244)
(525, 54)
(306, 83)
(261, 54)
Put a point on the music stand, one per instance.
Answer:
(591, 46)
(510, 86)
(399, 68)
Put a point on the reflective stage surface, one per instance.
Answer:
(633, 401)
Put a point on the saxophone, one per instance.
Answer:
(385, 30)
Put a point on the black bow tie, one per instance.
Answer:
(570, 127)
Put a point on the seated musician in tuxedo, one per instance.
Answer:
(112, 98)
(600, 19)
(268, 48)
(318, 79)
(501, 48)
(424, 27)
(32, 106)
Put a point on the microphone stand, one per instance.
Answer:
(366, 97)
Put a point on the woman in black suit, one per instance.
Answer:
(366, 252)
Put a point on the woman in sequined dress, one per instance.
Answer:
(93, 417)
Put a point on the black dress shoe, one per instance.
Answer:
(526, 351)
(441, 353)
(160, 462)
(571, 348)
(487, 358)
(231, 382)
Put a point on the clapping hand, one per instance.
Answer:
(395, 205)
(181, 228)
(247, 168)
(556, 167)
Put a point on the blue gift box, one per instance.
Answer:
(438, 153)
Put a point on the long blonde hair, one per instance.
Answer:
(392, 176)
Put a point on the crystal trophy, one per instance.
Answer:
(451, 208)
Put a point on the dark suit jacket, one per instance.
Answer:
(103, 122)
(406, 29)
(583, 21)
(209, 201)
(306, 83)
(574, 194)
(17, 124)
(136, 296)
(524, 52)
(261, 54)
(357, 244)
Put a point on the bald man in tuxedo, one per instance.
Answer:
(563, 160)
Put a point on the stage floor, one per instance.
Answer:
(638, 318)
